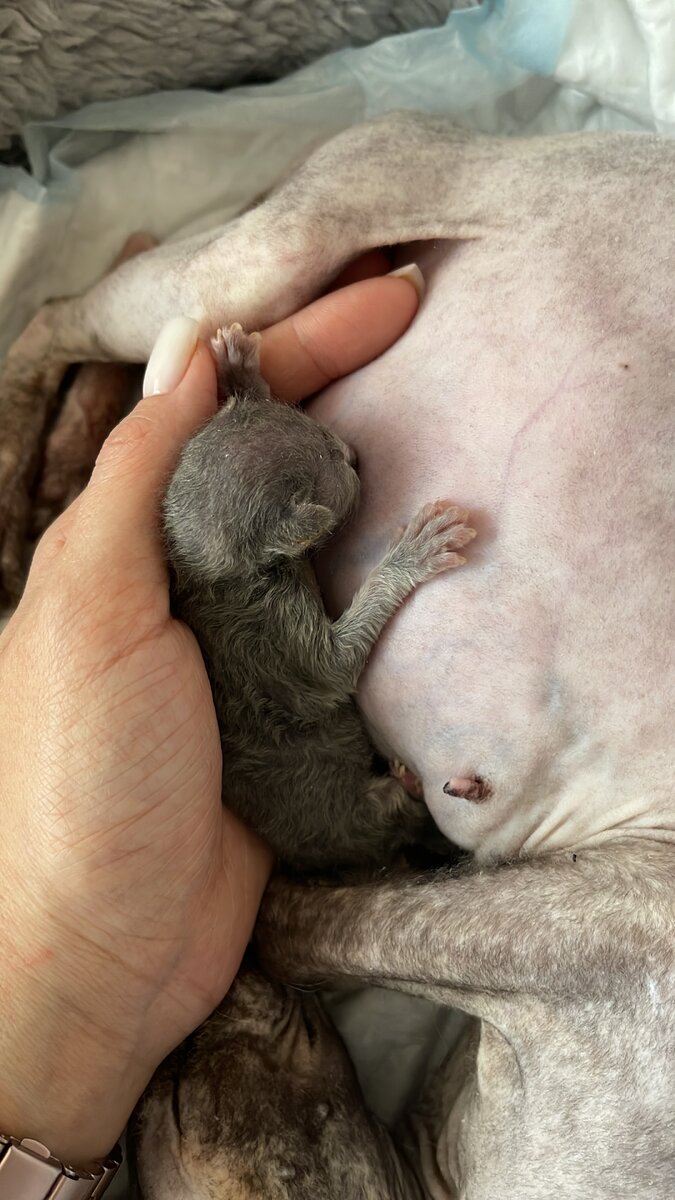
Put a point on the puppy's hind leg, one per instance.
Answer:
(238, 364)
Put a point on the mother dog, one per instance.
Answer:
(533, 697)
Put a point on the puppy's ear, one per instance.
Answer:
(302, 527)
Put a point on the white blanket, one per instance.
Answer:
(183, 161)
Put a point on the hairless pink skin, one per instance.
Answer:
(535, 387)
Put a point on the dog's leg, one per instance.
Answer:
(567, 961)
(576, 924)
(358, 191)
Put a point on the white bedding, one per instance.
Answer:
(182, 161)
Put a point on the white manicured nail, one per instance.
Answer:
(412, 273)
(170, 356)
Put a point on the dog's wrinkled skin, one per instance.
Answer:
(262, 1103)
(537, 380)
(254, 492)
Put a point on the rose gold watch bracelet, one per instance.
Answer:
(29, 1172)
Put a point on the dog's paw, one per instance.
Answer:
(399, 817)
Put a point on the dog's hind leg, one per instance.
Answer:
(480, 938)
(567, 961)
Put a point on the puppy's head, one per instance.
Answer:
(260, 1104)
(261, 484)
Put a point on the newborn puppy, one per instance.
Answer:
(258, 489)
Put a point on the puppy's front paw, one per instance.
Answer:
(402, 817)
(431, 541)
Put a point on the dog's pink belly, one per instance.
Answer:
(540, 666)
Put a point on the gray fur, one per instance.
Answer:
(56, 57)
(255, 492)
(564, 1083)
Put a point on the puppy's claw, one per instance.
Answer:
(428, 545)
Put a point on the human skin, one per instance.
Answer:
(127, 891)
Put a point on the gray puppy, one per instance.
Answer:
(254, 493)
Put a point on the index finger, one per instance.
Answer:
(337, 334)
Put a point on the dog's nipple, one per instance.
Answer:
(472, 788)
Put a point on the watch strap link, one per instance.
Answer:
(29, 1172)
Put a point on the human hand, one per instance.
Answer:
(127, 891)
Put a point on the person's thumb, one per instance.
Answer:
(116, 526)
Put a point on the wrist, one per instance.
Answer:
(63, 1082)
(77, 1113)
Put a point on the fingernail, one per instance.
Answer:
(412, 273)
(170, 356)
